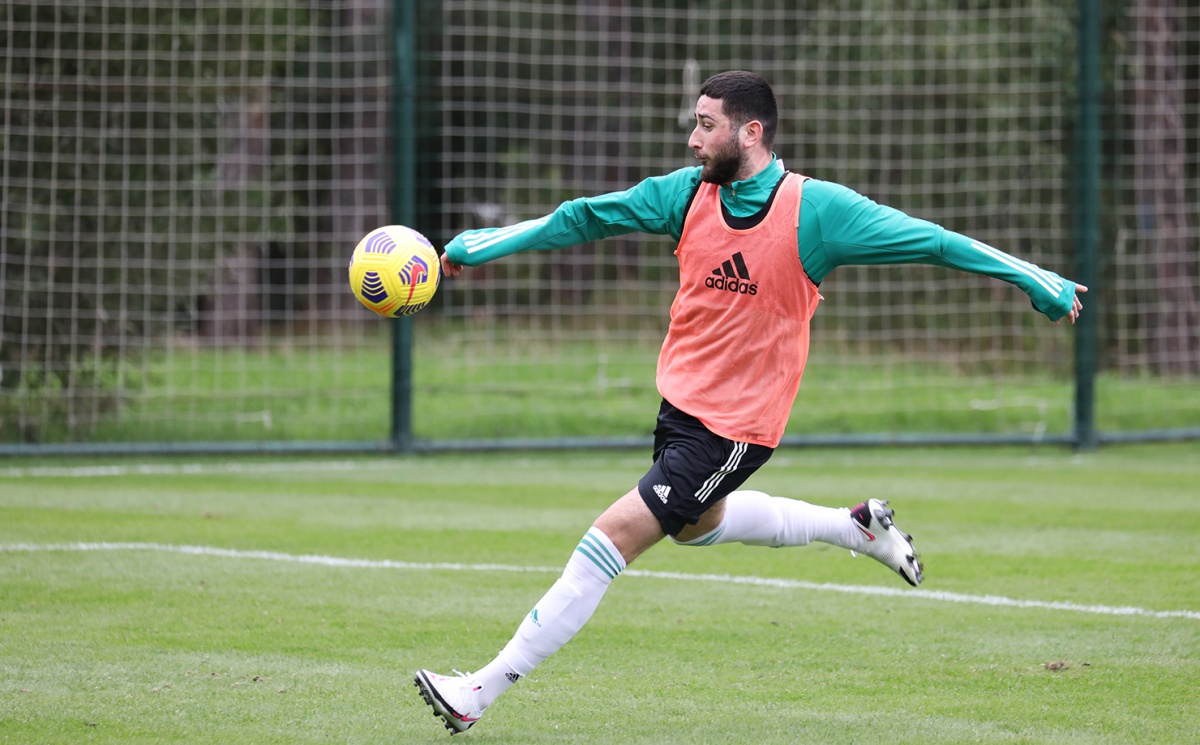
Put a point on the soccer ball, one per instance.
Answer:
(394, 271)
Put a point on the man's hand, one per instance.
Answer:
(450, 269)
(1076, 306)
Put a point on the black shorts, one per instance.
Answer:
(693, 469)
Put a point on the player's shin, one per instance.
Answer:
(558, 616)
(758, 519)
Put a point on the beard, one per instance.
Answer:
(724, 165)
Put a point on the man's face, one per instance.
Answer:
(716, 142)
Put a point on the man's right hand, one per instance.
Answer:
(449, 268)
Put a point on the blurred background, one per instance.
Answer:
(183, 182)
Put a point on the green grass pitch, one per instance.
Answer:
(1061, 602)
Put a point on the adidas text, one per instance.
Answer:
(732, 284)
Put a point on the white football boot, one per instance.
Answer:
(886, 543)
(453, 699)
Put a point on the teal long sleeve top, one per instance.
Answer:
(838, 227)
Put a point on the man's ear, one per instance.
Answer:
(751, 133)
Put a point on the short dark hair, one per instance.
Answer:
(745, 97)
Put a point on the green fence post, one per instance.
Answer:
(403, 209)
(1087, 217)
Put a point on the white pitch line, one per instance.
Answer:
(190, 469)
(786, 584)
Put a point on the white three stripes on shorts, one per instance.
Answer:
(731, 465)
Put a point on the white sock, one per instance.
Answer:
(758, 519)
(494, 679)
(557, 617)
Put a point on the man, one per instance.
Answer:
(754, 243)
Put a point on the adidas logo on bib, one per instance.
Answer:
(732, 276)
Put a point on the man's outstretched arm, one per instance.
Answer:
(839, 227)
(652, 206)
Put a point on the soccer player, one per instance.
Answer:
(754, 243)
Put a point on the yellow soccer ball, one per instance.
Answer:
(394, 271)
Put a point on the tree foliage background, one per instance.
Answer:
(181, 168)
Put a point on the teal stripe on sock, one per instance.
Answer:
(594, 560)
(596, 550)
(712, 537)
(591, 547)
(618, 562)
(707, 539)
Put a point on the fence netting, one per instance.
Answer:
(183, 183)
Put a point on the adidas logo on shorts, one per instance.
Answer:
(662, 491)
